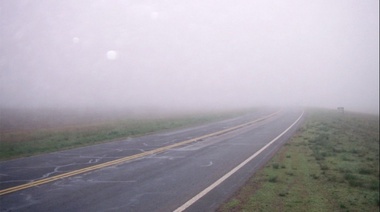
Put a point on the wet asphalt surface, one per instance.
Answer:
(157, 182)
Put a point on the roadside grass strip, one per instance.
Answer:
(20, 142)
(129, 158)
(331, 164)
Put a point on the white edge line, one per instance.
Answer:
(220, 180)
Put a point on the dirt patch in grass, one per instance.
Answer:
(331, 164)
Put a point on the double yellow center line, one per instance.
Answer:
(125, 159)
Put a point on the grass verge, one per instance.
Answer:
(331, 164)
(21, 143)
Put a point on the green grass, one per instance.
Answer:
(20, 143)
(331, 164)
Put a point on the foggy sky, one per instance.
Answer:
(190, 54)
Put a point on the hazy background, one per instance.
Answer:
(179, 54)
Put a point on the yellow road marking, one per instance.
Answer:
(125, 159)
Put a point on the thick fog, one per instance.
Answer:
(177, 54)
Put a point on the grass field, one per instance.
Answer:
(35, 132)
(331, 164)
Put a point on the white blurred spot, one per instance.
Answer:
(112, 55)
(75, 40)
(154, 15)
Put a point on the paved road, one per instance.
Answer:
(162, 181)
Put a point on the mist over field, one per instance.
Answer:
(189, 55)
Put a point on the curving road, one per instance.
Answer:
(193, 169)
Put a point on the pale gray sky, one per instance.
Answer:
(190, 54)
